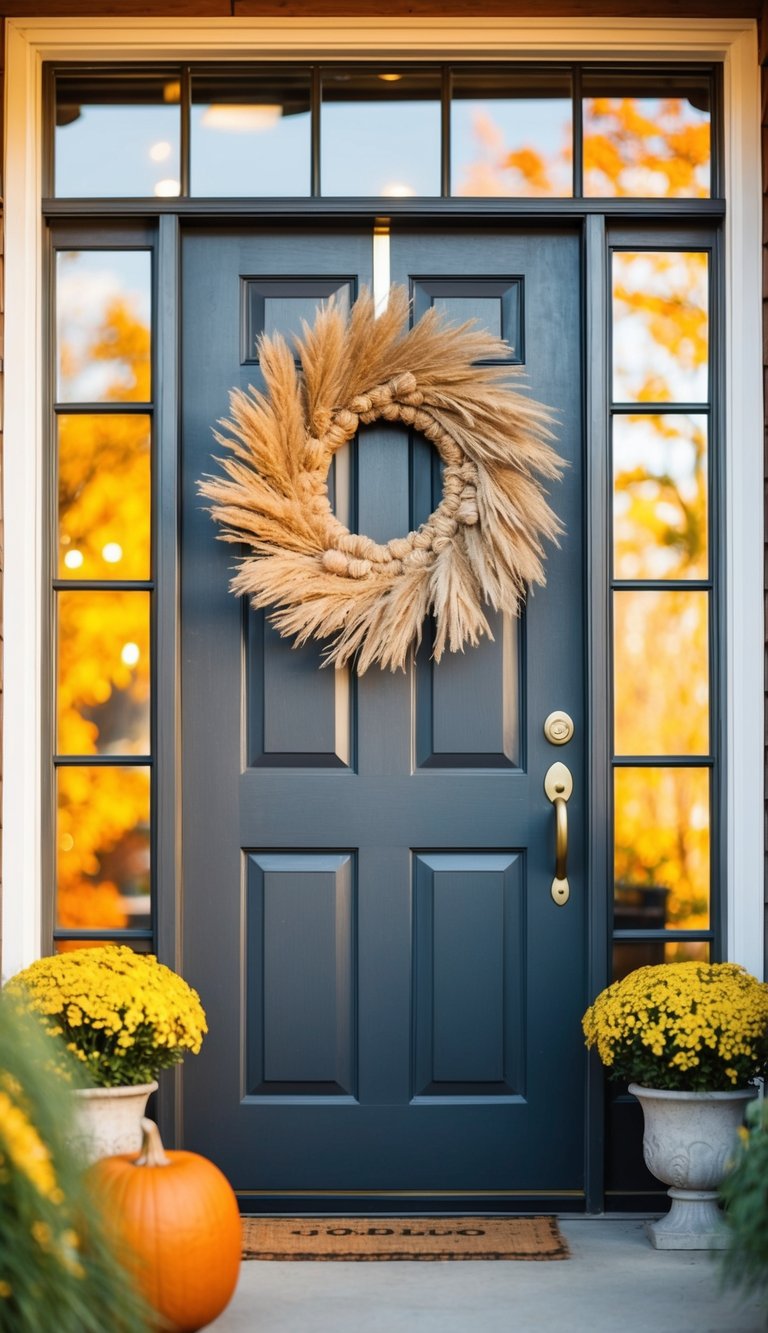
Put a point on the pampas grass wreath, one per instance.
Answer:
(481, 547)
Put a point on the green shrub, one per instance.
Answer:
(56, 1270)
(745, 1195)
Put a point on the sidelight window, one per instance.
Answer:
(663, 605)
(102, 597)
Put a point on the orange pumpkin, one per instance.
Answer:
(174, 1220)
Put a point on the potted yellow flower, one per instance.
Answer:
(688, 1037)
(125, 1016)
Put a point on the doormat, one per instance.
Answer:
(383, 1238)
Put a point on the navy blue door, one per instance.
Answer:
(393, 995)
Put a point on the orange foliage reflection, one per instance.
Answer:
(645, 148)
(661, 672)
(632, 146)
(662, 843)
(660, 497)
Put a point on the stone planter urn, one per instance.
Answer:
(688, 1143)
(108, 1120)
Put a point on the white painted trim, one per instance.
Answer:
(744, 508)
(22, 611)
(30, 41)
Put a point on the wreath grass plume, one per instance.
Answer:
(483, 544)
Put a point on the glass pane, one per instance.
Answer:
(629, 954)
(250, 134)
(103, 672)
(661, 672)
(646, 135)
(103, 849)
(380, 133)
(660, 497)
(104, 497)
(512, 134)
(138, 946)
(117, 135)
(660, 326)
(103, 310)
(661, 850)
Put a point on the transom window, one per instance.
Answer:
(392, 131)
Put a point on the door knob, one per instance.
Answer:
(558, 785)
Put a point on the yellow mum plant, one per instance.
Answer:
(695, 1027)
(122, 1014)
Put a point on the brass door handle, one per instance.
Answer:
(558, 785)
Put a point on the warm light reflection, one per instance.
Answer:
(73, 559)
(660, 326)
(662, 848)
(103, 847)
(245, 118)
(397, 190)
(661, 672)
(160, 152)
(167, 189)
(112, 553)
(103, 695)
(660, 497)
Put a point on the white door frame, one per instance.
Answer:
(31, 41)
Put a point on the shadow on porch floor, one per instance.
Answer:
(615, 1282)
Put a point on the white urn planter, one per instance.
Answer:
(688, 1143)
(108, 1120)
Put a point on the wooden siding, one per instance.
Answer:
(382, 8)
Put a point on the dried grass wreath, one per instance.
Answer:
(481, 547)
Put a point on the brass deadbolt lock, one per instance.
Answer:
(558, 728)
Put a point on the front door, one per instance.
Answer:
(393, 995)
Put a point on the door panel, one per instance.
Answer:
(393, 997)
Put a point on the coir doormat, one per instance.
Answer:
(382, 1238)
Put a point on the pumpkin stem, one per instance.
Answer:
(152, 1152)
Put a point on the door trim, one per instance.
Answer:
(30, 42)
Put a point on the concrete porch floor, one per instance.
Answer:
(614, 1282)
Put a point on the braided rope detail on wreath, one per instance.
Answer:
(480, 546)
